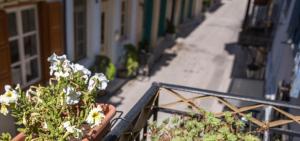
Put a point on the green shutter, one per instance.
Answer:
(148, 8)
(162, 18)
(190, 8)
(182, 11)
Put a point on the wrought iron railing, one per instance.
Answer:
(135, 124)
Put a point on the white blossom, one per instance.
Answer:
(45, 125)
(95, 116)
(81, 69)
(98, 81)
(52, 58)
(60, 66)
(3, 109)
(10, 96)
(84, 72)
(72, 96)
(71, 129)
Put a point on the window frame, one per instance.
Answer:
(124, 18)
(76, 28)
(23, 60)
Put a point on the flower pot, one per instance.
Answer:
(97, 132)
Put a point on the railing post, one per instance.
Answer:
(268, 112)
(145, 132)
(156, 103)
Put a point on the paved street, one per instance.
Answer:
(202, 61)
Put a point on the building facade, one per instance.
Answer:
(31, 30)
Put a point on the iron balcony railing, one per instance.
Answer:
(134, 125)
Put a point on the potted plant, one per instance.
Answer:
(65, 109)
(206, 4)
(104, 64)
(203, 128)
(131, 63)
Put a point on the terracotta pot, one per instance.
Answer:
(96, 133)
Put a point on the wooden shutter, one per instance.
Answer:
(51, 32)
(5, 72)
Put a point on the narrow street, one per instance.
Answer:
(201, 61)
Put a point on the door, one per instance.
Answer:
(24, 45)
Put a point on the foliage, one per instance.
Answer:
(63, 110)
(206, 3)
(104, 64)
(206, 128)
(131, 59)
(5, 137)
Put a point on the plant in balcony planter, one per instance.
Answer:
(131, 63)
(104, 64)
(63, 110)
(206, 128)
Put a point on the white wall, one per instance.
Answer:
(69, 29)
(93, 31)
(133, 13)
(113, 29)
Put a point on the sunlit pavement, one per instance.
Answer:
(201, 61)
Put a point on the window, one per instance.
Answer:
(123, 18)
(80, 29)
(24, 45)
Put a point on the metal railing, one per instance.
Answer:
(135, 123)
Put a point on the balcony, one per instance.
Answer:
(257, 24)
(256, 37)
(162, 100)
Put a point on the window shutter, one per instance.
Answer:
(56, 27)
(51, 32)
(5, 73)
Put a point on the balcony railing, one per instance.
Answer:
(134, 125)
(256, 37)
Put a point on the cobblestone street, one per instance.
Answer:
(201, 61)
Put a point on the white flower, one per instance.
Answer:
(60, 66)
(52, 58)
(84, 72)
(3, 109)
(80, 68)
(98, 81)
(95, 116)
(45, 125)
(53, 68)
(68, 127)
(10, 96)
(60, 74)
(71, 129)
(62, 58)
(72, 96)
